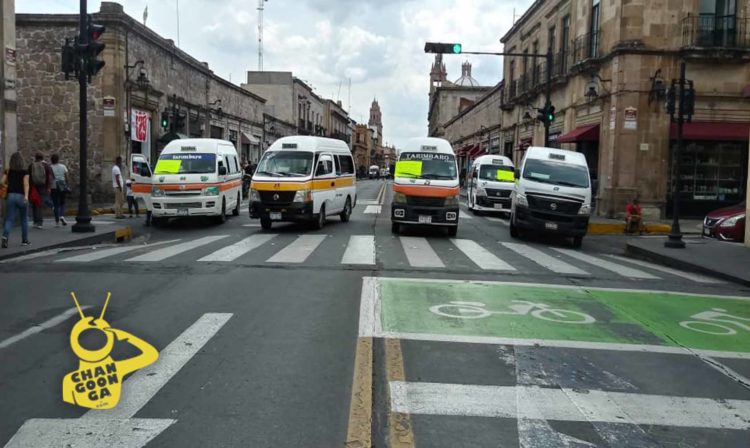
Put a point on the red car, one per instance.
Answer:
(726, 224)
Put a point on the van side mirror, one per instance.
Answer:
(222, 171)
(517, 174)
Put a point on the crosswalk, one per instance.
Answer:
(391, 252)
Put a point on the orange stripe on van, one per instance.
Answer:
(431, 191)
(281, 186)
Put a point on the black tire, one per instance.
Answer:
(395, 227)
(453, 231)
(236, 211)
(577, 241)
(222, 218)
(513, 228)
(346, 214)
(266, 223)
(158, 222)
(320, 220)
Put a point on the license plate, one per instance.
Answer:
(182, 212)
(276, 216)
(550, 226)
(425, 219)
(706, 232)
(499, 206)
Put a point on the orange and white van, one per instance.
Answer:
(425, 185)
(193, 177)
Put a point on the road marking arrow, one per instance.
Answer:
(115, 427)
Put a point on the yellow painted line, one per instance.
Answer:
(359, 433)
(400, 434)
(124, 234)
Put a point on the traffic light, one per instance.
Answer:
(180, 121)
(165, 120)
(439, 47)
(95, 32)
(550, 114)
(541, 115)
(689, 108)
(546, 116)
(669, 104)
(70, 62)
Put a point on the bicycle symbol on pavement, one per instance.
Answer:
(707, 322)
(478, 310)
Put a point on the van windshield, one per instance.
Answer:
(496, 173)
(556, 173)
(193, 163)
(286, 164)
(421, 165)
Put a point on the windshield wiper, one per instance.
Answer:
(266, 173)
(568, 184)
(437, 176)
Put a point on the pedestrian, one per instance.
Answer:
(117, 186)
(41, 180)
(59, 189)
(633, 217)
(132, 201)
(16, 178)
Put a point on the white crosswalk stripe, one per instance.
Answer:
(373, 210)
(299, 250)
(544, 260)
(464, 215)
(360, 250)
(171, 251)
(235, 251)
(104, 253)
(624, 271)
(419, 253)
(483, 258)
(688, 275)
(504, 222)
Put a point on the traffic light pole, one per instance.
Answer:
(674, 240)
(83, 218)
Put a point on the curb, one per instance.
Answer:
(619, 229)
(115, 235)
(647, 255)
(93, 211)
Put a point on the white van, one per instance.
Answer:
(425, 186)
(492, 180)
(193, 177)
(552, 195)
(304, 179)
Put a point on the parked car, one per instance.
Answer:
(726, 224)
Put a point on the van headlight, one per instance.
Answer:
(481, 192)
(585, 209)
(254, 196)
(521, 200)
(399, 198)
(303, 196)
(451, 201)
(211, 191)
(157, 192)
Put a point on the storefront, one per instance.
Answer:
(713, 166)
(586, 139)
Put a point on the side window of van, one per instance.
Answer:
(338, 165)
(227, 164)
(236, 165)
(347, 164)
(325, 165)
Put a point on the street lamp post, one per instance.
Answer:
(674, 241)
(83, 217)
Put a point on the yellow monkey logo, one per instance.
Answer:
(98, 381)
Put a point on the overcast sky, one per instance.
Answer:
(377, 43)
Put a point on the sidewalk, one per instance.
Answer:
(729, 261)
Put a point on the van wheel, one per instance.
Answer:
(577, 241)
(395, 227)
(513, 228)
(347, 212)
(453, 231)
(222, 218)
(158, 222)
(320, 222)
(236, 211)
(266, 223)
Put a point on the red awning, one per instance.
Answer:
(466, 150)
(706, 130)
(477, 151)
(588, 133)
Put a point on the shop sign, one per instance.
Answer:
(108, 104)
(140, 128)
(10, 56)
(631, 118)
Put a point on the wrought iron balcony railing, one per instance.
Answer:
(715, 31)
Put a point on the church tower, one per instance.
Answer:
(376, 118)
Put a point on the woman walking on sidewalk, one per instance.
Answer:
(17, 180)
(59, 189)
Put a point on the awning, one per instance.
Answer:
(588, 133)
(466, 150)
(247, 139)
(706, 130)
(477, 151)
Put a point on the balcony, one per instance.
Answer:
(715, 31)
(586, 47)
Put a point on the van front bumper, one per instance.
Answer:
(298, 211)
(410, 214)
(547, 222)
(487, 204)
(169, 207)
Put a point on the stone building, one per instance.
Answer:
(448, 99)
(145, 78)
(8, 117)
(363, 147)
(337, 122)
(612, 61)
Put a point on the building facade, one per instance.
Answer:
(363, 147)
(448, 99)
(146, 79)
(8, 104)
(612, 61)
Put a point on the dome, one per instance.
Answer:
(466, 80)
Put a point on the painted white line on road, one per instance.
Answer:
(544, 260)
(555, 404)
(373, 210)
(619, 269)
(360, 250)
(419, 253)
(55, 433)
(95, 255)
(57, 320)
(236, 250)
(167, 252)
(257, 226)
(688, 275)
(145, 383)
(368, 315)
(367, 202)
(504, 222)
(299, 250)
(482, 257)
(463, 215)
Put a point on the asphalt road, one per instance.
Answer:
(266, 336)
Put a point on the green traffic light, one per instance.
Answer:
(457, 48)
(164, 123)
